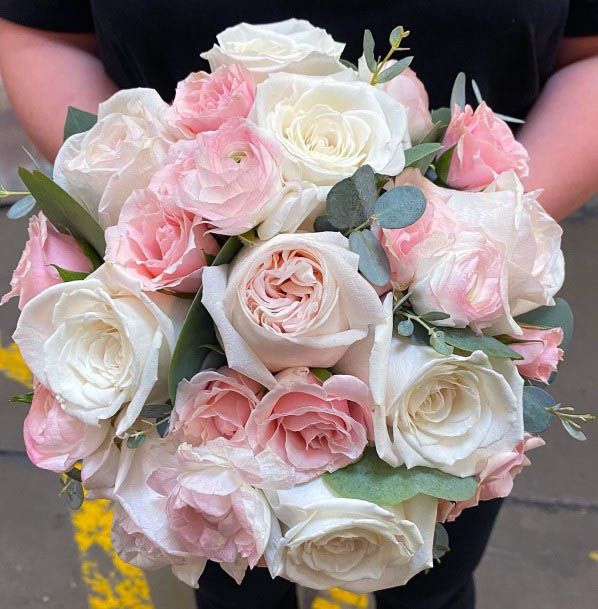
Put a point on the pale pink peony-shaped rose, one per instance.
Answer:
(541, 355)
(495, 480)
(230, 177)
(45, 247)
(211, 504)
(204, 101)
(54, 439)
(160, 243)
(314, 427)
(214, 404)
(484, 147)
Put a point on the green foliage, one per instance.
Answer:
(67, 275)
(24, 398)
(322, 374)
(322, 225)
(368, 50)
(394, 70)
(373, 263)
(228, 251)
(557, 316)
(405, 328)
(400, 207)
(136, 439)
(465, 340)
(415, 154)
(458, 96)
(349, 201)
(62, 210)
(439, 343)
(536, 418)
(78, 121)
(372, 479)
(443, 164)
(23, 207)
(441, 542)
(435, 316)
(155, 411)
(441, 116)
(72, 491)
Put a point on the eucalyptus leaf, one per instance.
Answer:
(78, 121)
(348, 64)
(162, 427)
(155, 411)
(323, 225)
(435, 316)
(322, 374)
(74, 474)
(368, 50)
(62, 210)
(394, 70)
(439, 344)
(400, 207)
(136, 440)
(372, 479)
(458, 93)
(466, 340)
(536, 418)
(573, 431)
(405, 327)
(476, 91)
(417, 153)
(557, 316)
(441, 542)
(67, 275)
(443, 164)
(23, 207)
(441, 116)
(366, 183)
(434, 136)
(373, 263)
(73, 493)
(396, 35)
(349, 200)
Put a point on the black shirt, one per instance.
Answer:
(507, 46)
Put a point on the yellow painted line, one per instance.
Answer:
(111, 583)
(336, 598)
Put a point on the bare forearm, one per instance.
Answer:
(44, 73)
(561, 135)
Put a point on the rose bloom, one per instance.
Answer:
(330, 541)
(330, 126)
(214, 404)
(54, 439)
(495, 480)
(159, 243)
(484, 148)
(293, 45)
(315, 427)
(230, 178)
(99, 470)
(541, 355)
(45, 247)
(119, 154)
(296, 300)
(443, 412)
(212, 506)
(101, 344)
(204, 101)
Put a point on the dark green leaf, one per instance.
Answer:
(435, 316)
(24, 398)
(458, 92)
(405, 327)
(67, 275)
(536, 418)
(443, 164)
(373, 263)
(372, 479)
(74, 474)
(136, 441)
(228, 251)
(155, 411)
(23, 207)
(573, 431)
(322, 374)
(78, 121)
(62, 210)
(442, 116)
(400, 207)
(557, 316)
(439, 344)
(417, 153)
(90, 253)
(368, 50)
(162, 427)
(466, 340)
(366, 184)
(394, 70)
(209, 258)
(344, 206)
(213, 360)
(73, 492)
(322, 225)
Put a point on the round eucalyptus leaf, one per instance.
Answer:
(405, 327)
(400, 207)
(373, 263)
(23, 207)
(557, 316)
(536, 418)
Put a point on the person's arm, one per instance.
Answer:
(44, 73)
(561, 131)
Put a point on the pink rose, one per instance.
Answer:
(495, 480)
(212, 506)
(204, 101)
(45, 247)
(484, 147)
(541, 355)
(54, 439)
(214, 404)
(311, 426)
(159, 243)
(230, 177)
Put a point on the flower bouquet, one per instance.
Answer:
(293, 319)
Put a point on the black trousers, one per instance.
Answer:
(448, 586)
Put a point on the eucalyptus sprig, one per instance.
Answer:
(571, 421)
(379, 74)
(5, 193)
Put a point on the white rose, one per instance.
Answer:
(331, 541)
(294, 45)
(119, 154)
(296, 300)
(330, 126)
(101, 344)
(445, 412)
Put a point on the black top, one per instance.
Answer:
(507, 46)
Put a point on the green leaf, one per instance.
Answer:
(89, 253)
(322, 374)
(476, 91)
(228, 251)
(366, 183)
(441, 542)
(322, 225)
(372, 479)
(155, 411)
(439, 344)
(434, 136)
(394, 70)
(400, 207)
(458, 92)
(24, 398)
(443, 164)
(373, 263)
(405, 327)
(573, 431)
(74, 474)
(23, 207)
(73, 493)
(212, 361)
(435, 316)
(347, 200)
(557, 316)
(62, 210)
(421, 151)
(162, 427)
(442, 116)
(136, 441)
(536, 418)
(67, 275)
(348, 64)
(209, 258)
(396, 35)
(368, 50)
(78, 121)
(466, 340)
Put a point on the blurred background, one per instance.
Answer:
(544, 549)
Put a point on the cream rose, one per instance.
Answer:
(330, 126)
(296, 300)
(330, 541)
(293, 45)
(101, 344)
(445, 412)
(119, 154)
